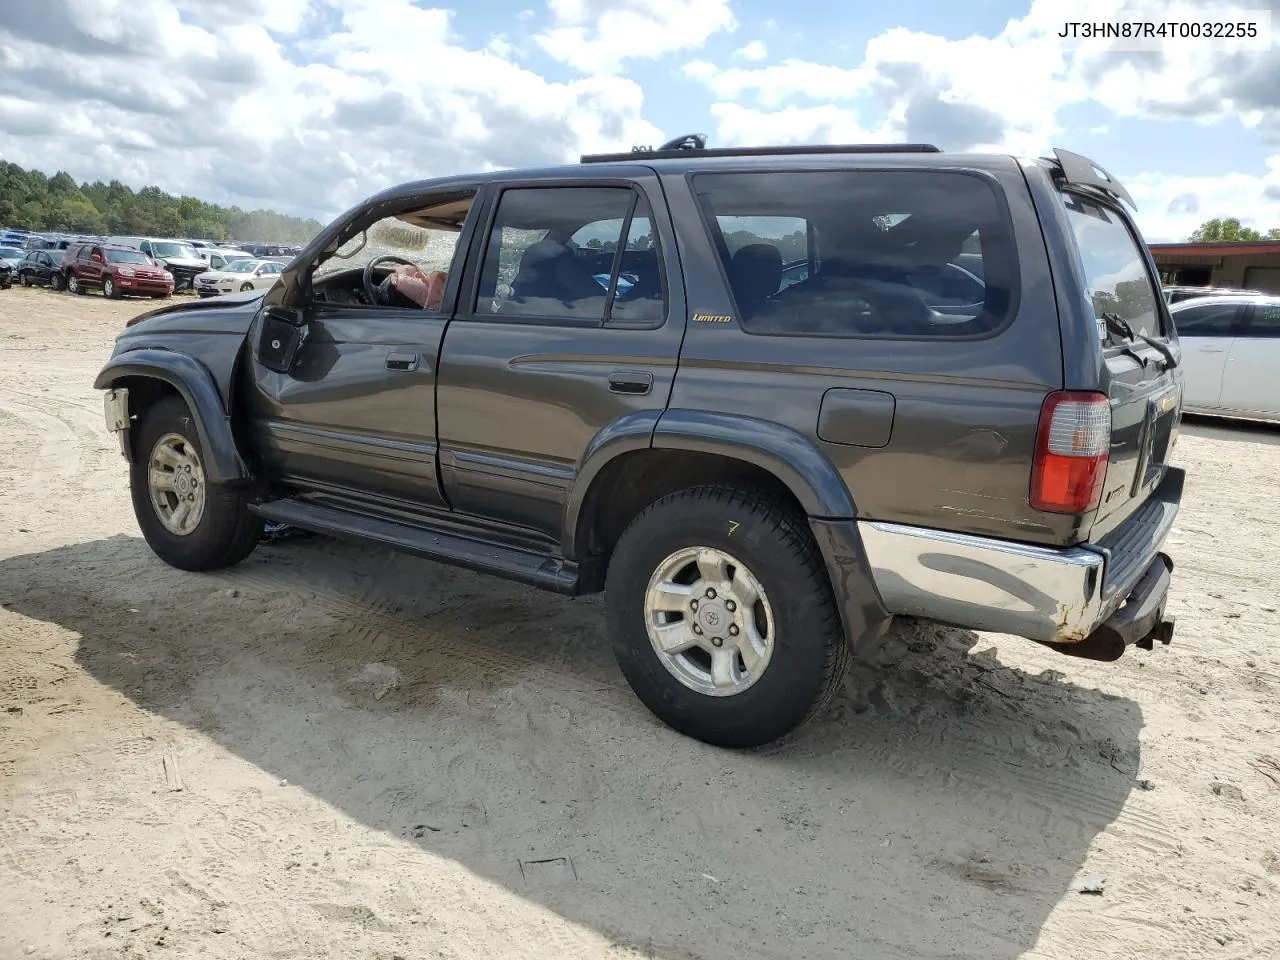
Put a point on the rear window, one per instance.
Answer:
(1115, 268)
(910, 254)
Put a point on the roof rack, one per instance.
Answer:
(1083, 172)
(695, 145)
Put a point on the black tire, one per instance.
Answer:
(109, 289)
(772, 540)
(26, 279)
(74, 285)
(226, 532)
(246, 287)
(56, 282)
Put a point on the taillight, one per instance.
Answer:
(1071, 452)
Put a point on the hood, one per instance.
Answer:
(231, 313)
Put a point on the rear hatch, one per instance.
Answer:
(1139, 347)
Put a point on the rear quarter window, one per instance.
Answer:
(863, 253)
(1115, 266)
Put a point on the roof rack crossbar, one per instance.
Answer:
(781, 151)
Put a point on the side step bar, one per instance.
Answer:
(534, 569)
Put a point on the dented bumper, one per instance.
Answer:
(1056, 596)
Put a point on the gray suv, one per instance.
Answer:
(766, 399)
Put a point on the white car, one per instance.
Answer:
(217, 258)
(239, 275)
(1230, 355)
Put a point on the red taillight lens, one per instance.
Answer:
(1071, 452)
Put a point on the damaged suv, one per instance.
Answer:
(766, 399)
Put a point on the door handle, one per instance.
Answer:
(1212, 350)
(624, 382)
(402, 361)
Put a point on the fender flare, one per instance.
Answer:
(787, 454)
(196, 385)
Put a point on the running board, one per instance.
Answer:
(523, 566)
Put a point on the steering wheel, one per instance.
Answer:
(370, 289)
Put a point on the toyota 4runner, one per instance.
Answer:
(766, 399)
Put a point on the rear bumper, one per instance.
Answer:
(1055, 596)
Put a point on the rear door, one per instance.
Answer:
(1252, 381)
(1143, 387)
(568, 323)
(1207, 332)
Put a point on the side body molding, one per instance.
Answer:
(197, 387)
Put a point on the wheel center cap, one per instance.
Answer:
(183, 483)
(713, 617)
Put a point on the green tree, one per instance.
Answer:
(1229, 230)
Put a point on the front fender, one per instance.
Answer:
(196, 385)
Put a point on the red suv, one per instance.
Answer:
(117, 270)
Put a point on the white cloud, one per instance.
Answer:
(221, 109)
(1170, 207)
(753, 51)
(597, 36)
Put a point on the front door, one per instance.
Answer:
(1252, 381)
(1207, 331)
(354, 416)
(570, 321)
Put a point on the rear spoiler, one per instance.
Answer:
(1083, 172)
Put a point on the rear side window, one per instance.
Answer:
(1115, 268)
(911, 254)
(1265, 322)
(1207, 320)
(580, 254)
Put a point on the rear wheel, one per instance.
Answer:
(189, 522)
(722, 617)
(74, 284)
(56, 281)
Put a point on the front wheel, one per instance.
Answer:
(74, 284)
(26, 280)
(722, 617)
(246, 287)
(109, 289)
(188, 521)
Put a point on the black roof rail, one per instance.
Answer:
(1083, 172)
(667, 152)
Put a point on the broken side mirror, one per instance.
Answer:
(280, 336)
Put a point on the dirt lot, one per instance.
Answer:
(331, 751)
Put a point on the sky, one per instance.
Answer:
(308, 106)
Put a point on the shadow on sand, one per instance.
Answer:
(941, 807)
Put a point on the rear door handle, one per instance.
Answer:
(402, 361)
(1212, 350)
(621, 381)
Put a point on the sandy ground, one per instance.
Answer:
(331, 751)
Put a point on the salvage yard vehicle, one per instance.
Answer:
(1232, 348)
(765, 399)
(239, 275)
(39, 267)
(116, 271)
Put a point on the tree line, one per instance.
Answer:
(32, 201)
(1229, 230)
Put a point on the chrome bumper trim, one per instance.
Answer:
(1041, 593)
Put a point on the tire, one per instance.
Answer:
(806, 650)
(26, 280)
(224, 533)
(109, 289)
(56, 282)
(74, 285)
(246, 287)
